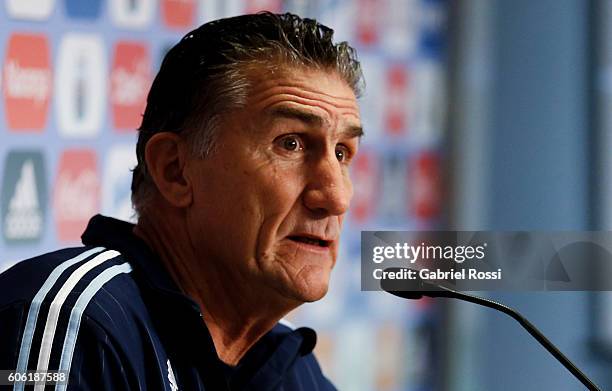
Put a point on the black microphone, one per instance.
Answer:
(416, 288)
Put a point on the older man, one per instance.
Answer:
(241, 187)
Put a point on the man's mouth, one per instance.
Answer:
(310, 240)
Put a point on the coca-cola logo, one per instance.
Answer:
(253, 6)
(130, 82)
(27, 82)
(425, 185)
(397, 93)
(367, 21)
(77, 193)
(364, 174)
(178, 13)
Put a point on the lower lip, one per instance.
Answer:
(311, 247)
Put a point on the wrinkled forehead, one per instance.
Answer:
(302, 86)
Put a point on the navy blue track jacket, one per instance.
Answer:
(110, 315)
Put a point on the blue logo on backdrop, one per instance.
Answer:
(83, 9)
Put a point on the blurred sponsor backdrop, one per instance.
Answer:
(479, 114)
(75, 75)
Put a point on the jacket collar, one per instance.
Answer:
(119, 235)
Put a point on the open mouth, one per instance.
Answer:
(311, 241)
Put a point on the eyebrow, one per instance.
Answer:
(312, 120)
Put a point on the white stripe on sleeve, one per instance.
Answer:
(77, 312)
(28, 333)
(56, 306)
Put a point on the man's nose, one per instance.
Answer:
(329, 189)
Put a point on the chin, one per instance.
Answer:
(301, 297)
(313, 298)
(312, 294)
(311, 287)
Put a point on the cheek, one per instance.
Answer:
(281, 186)
(279, 191)
(225, 209)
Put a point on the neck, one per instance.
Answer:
(236, 314)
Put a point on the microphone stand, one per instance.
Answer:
(442, 291)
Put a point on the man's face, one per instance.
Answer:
(269, 202)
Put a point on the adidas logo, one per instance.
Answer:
(24, 217)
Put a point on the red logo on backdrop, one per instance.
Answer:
(253, 6)
(130, 81)
(367, 23)
(425, 185)
(77, 193)
(397, 94)
(27, 82)
(178, 13)
(365, 185)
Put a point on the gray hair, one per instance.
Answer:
(205, 75)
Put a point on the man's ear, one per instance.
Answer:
(166, 156)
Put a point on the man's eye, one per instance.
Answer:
(342, 153)
(291, 143)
